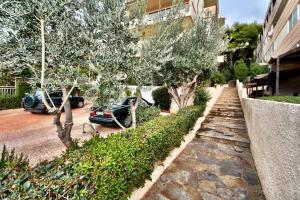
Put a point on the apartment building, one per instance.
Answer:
(279, 44)
(191, 10)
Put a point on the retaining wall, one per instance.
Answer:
(274, 131)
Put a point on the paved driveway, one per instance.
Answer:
(35, 135)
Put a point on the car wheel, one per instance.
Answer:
(29, 101)
(127, 121)
(80, 104)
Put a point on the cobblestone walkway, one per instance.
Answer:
(217, 164)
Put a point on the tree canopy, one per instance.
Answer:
(243, 39)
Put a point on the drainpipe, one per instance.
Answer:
(277, 76)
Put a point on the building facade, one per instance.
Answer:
(279, 43)
(191, 10)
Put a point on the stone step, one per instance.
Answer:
(218, 104)
(229, 102)
(227, 114)
(224, 130)
(230, 136)
(228, 125)
(225, 119)
(224, 141)
(226, 109)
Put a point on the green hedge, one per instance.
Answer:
(145, 114)
(14, 101)
(201, 96)
(241, 70)
(22, 88)
(162, 98)
(10, 102)
(286, 99)
(102, 168)
(218, 78)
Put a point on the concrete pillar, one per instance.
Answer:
(277, 76)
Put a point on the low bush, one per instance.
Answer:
(162, 98)
(218, 78)
(127, 92)
(286, 99)
(10, 102)
(144, 114)
(201, 96)
(102, 168)
(256, 69)
(22, 88)
(228, 74)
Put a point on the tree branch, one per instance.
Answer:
(66, 98)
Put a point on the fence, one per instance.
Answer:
(11, 90)
(7, 90)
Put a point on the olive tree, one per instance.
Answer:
(52, 38)
(119, 56)
(194, 52)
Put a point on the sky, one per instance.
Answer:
(243, 10)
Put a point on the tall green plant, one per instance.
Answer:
(241, 70)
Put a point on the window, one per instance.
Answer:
(294, 18)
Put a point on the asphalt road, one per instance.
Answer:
(35, 135)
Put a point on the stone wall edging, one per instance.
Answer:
(159, 170)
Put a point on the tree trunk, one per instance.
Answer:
(188, 89)
(133, 109)
(117, 122)
(64, 132)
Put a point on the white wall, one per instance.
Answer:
(146, 92)
(211, 90)
(274, 131)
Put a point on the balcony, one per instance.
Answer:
(164, 13)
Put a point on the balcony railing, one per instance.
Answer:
(162, 14)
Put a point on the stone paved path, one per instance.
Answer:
(217, 164)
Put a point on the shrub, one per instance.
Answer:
(218, 78)
(201, 96)
(22, 88)
(144, 114)
(127, 92)
(286, 99)
(9, 102)
(256, 69)
(241, 70)
(162, 98)
(229, 75)
(102, 168)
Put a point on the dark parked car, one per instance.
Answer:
(34, 103)
(120, 109)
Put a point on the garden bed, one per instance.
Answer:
(102, 168)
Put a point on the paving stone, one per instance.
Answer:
(217, 164)
(209, 196)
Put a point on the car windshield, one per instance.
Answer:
(116, 102)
